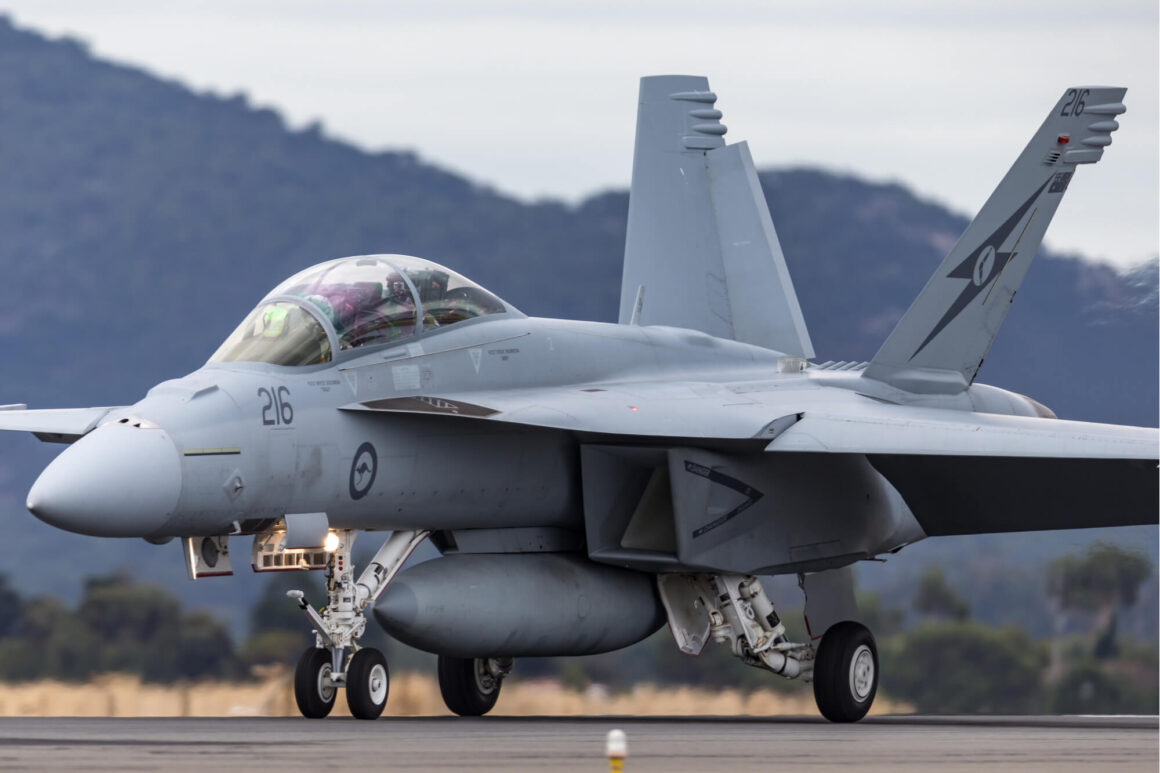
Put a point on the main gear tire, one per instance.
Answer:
(367, 684)
(314, 691)
(846, 672)
(470, 686)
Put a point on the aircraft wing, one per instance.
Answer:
(52, 425)
(959, 472)
(704, 410)
(971, 473)
(941, 432)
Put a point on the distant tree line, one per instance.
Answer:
(946, 663)
(117, 626)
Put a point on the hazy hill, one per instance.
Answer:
(139, 221)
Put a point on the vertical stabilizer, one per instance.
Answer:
(700, 240)
(939, 344)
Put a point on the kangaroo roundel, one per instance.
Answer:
(983, 266)
(363, 470)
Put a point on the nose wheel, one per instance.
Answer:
(367, 684)
(366, 680)
(314, 687)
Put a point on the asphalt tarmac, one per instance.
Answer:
(1100, 744)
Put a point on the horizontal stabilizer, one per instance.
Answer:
(939, 344)
(701, 251)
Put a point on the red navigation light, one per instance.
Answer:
(1064, 139)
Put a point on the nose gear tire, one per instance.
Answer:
(846, 672)
(313, 691)
(367, 684)
(468, 688)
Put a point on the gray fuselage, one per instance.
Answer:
(257, 441)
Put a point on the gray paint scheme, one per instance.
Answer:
(859, 519)
(700, 239)
(514, 438)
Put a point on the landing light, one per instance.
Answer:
(331, 543)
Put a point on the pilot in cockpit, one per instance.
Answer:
(368, 300)
(398, 292)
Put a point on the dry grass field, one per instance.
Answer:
(412, 694)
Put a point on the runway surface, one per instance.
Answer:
(568, 744)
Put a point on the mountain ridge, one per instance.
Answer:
(141, 221)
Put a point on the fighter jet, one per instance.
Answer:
(585, 482)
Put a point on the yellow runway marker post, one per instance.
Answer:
(616, 747)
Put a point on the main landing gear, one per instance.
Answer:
(325, 667)
(846, 672)
(733, 609)
(470, 686)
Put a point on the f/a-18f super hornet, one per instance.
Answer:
(587, 482)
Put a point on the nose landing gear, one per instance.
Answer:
(314, 687)
(367, 684)
(324, 668)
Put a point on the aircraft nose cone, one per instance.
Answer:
(117, 481)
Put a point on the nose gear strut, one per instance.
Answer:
(341, 623)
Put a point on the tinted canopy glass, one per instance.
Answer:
(367, 300)
(375, 299)
(384, 298)
(281, 333)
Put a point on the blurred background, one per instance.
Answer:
(163, 165)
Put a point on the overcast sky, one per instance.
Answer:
(537, 98)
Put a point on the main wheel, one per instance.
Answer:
(846, 672)
(470, 686)
(313, 689)
(367, 684)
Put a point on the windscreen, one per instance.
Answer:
(280, 333)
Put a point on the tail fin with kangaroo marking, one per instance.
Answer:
(939, 344)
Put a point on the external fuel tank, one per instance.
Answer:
(519, 605)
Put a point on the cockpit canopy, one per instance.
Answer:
(351, 303)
